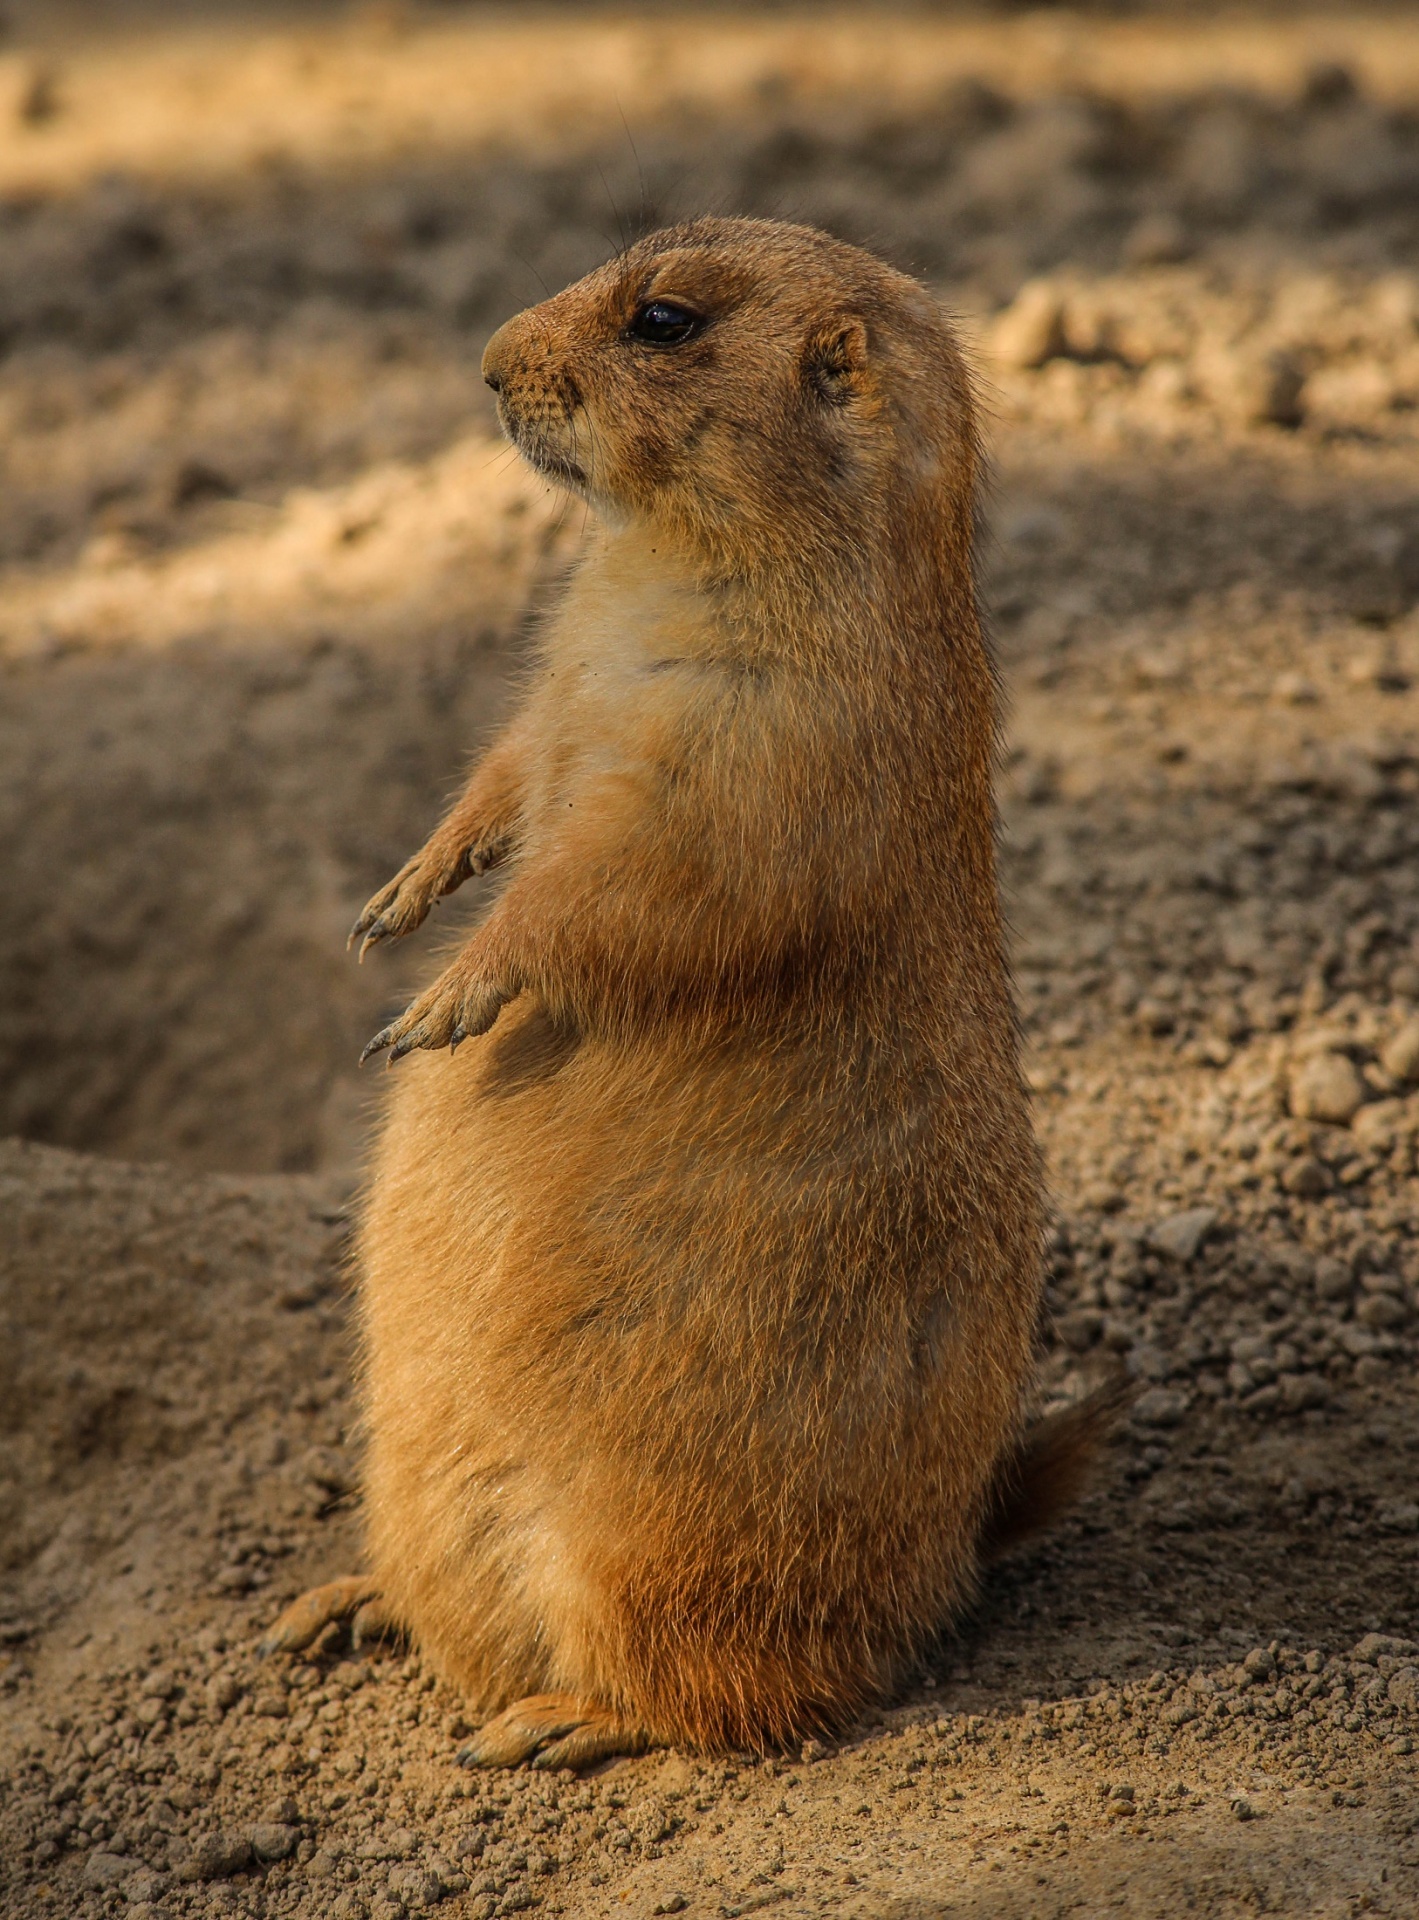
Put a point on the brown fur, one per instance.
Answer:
(699, 1292)
(1049, 1467)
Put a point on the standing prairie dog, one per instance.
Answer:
(700, 1285)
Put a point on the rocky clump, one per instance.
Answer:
(1180, 352)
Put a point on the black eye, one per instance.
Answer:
(664, 324)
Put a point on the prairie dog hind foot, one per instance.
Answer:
(551, 1730)
(356, 1600)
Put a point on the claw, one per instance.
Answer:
(381, 1040)
(456, 1038)
(550, 1731)
(307, 1618)
(368, 918)
(378, 931)
(401, 1047)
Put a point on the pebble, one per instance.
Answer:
(1030, 330)
(1181, 1234)
(1372, 1647)
(1306, 1178)
(1400, 1057)
(1334, 1279)
(107, 1869)
(1255, 387)
(1327, 1087)
(273, 1841)
(1159, 1407)
(216, 1856)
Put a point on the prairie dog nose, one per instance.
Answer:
(495, 357)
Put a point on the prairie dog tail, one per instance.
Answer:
(1049, 1466)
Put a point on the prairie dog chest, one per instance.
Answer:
(633, 660)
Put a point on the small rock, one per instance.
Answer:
(1400, 1057)
(1255, 388)
(1081, 1329)
(1242, 1808)
(273, 1840)
(281, 1813)
(1382, 1310)
(1327, 1087)
(143, 1886)
(1306, 1178)
(1403, 1689)
(216, 1856)
(1253, 1351)
(1334, 1279)
(1181, 1234)
(223, 1692)
(1357, 1342)
(1265, 1400)
(1301, 1391)
(1031, 329)
(1378, 1126)
(416, 1887)
(1159, 1407)
(238, 1578)
(107, 1869)
(271, 1705)
(1374, 1646)
(1398, 1516)
(1260, 1663)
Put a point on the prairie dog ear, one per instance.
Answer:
(835, 362)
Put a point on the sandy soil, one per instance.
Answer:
(265, 581)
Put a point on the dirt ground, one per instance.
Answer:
(266, 578)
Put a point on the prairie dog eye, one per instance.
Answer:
(664, 323)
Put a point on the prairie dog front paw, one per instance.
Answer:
(437, 869)
(460, 1004)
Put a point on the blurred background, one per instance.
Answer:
(265, 572)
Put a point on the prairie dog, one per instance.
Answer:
(700, 1284)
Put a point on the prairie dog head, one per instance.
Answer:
(764, 392)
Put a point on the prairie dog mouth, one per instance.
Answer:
(555, 465)
(540, 451)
